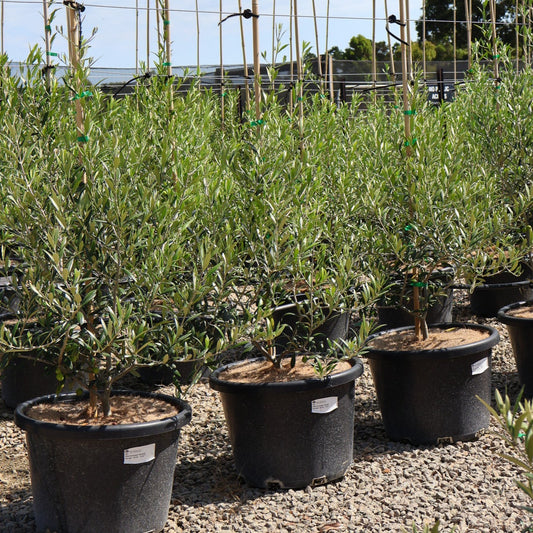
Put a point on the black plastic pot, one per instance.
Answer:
(431, 396)
(293, 315)
(164, 374)
(24, 379)
(396, 317)
(521, 336)
(500, 290)
(101, 478)
(294, 434)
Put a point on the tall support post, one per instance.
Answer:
(257, 55)
(222, 91)
(147, 35)
(299, 68)
(454, 41)
(328, 60)
(374, 62)
(47, 42)
(468, 16)
(318, 49)
(424, 65)
(244, 61)
(136, 37)
(197, 42)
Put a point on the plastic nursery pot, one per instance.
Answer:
(500, 290)
(164, 374)
(102, 478)
(292, 434)
(24, 379)
(334, 328)
(520, 328)
(432, 396)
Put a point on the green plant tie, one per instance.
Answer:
(409, 112)
(496, 56)
(84, 94)
(166, 64)
(54, 54)
(83, 139)
(409, 227)
(224, 94)
(419, 284)
(257, 122)
(166, 22)
(48, 27)
(410, 143)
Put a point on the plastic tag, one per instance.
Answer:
(480, 366)
(324, 405)
(139, 454)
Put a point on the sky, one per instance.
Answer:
(117, 43)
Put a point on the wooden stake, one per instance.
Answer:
(318, 50)
(454, 41)
(328, 62)
(136, 37)
(407, 21)
(391, 53)
(468, 15)
(374, 62)
(424, 66)
(291, 58)
(221, 65)
(47, 45)
(2, 28)
(299, 69)
(198, 71)
(168, 52)
(495, 56)
(517, 41)
(147, 35)
(257, 55)
(244, 62)
(272, 61)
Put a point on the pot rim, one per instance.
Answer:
(511, 320)
(103, 431)
(332, 380)
(443, 353)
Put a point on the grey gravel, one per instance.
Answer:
(389, 487)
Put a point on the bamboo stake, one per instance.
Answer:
(517, 38)
(454, 41)
(374, 62)
(47, 44)
(318, 49)
(408, 35)
(420, 330)
(291, 58)
(136, 37)
(73, 32)
(468, 16)
(2, 28)
(391, 53)
(168, 50)
(328, 60)
(299, 71)
(157, 17)
(273, 33)
(257, 63)
(221, 65)
(424, 65)
(244, 62)
(197, 42)
(147, 35)
(494, 43)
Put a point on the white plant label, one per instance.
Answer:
(480, 366)
(140, 454)
(324, 405)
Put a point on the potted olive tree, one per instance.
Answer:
(103, 223)
(289, 406)
(435, 208)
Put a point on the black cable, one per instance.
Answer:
(247, 14)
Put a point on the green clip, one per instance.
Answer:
(166, 22)
(299, 99)
(409, 112)
(256, 122)
(496, 56)
(521, 434)
(84, 94)
(224, 94)
(83, 139)
(54, 54)
(419, 284)
(48, 27)
(410, 143)
(166, 64)
(409, 227)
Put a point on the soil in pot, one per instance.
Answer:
(94, 478)
(518, 318)
(428, 393)
(292, 430)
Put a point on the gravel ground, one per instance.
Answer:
(389, 487)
